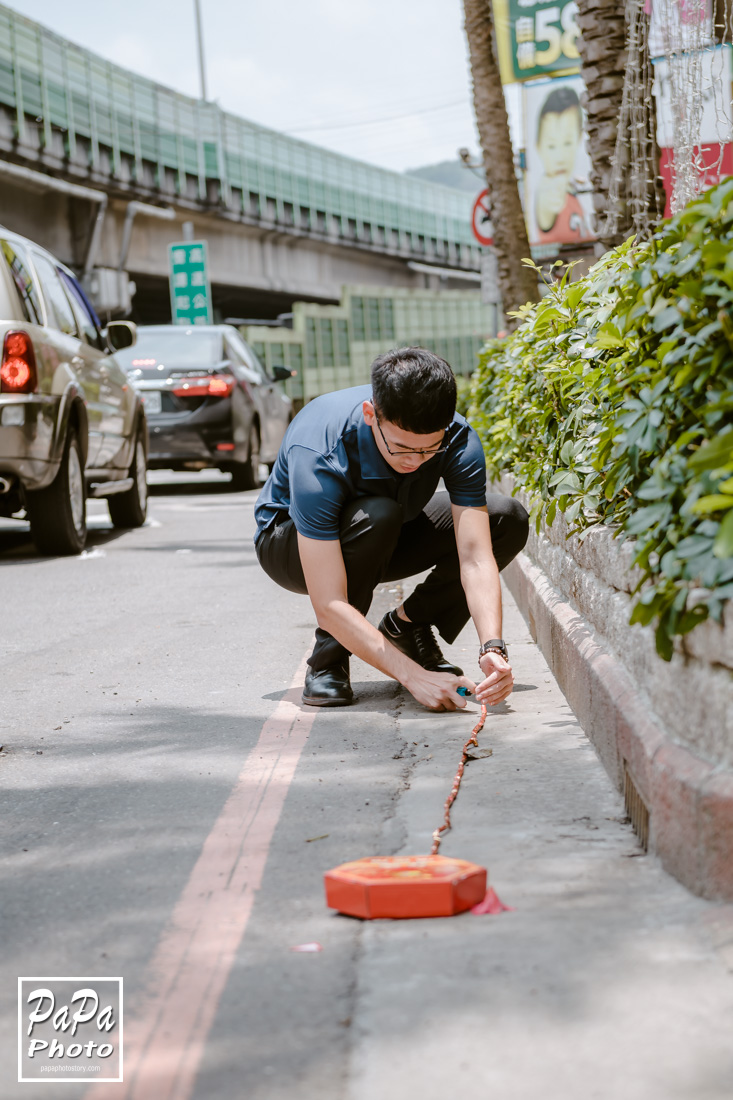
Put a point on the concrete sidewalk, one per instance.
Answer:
(609, 980)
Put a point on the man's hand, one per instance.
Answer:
(480, 580)
(499, 680)
(437, 690)
(325, 578)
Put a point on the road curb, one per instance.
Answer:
(689, 802)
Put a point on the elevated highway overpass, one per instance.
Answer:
(106, 168)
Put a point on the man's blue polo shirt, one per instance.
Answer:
(329, 457)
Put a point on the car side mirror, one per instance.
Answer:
(121, 334)
(283, 374)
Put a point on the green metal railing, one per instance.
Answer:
(113, 115)
(331, 347)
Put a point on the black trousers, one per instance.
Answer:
(377, 546)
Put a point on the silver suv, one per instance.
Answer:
(71, 425)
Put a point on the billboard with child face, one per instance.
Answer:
(558, 200)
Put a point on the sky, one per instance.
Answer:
(386, 81)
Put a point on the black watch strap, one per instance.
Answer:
(497, 645)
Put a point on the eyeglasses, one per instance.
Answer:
(397, 454)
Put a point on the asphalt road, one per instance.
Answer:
(169, 810)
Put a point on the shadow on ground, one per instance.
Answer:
(16, 545)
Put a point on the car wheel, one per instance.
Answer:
(58, 514)
(131, 508)
(246, 475)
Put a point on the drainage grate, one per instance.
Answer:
(637, 809)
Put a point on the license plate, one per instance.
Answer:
(152, 401)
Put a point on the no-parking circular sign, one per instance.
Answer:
(481, 220)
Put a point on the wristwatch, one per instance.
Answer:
(494, 645)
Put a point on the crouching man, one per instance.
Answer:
(352, 502)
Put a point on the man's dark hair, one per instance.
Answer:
(561, 100)
(414, 389)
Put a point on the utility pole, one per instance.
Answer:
(200, 43)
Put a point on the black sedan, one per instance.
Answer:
(209, 402)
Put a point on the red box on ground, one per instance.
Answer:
(405, 886)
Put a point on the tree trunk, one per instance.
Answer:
(723, 20)
(602, 26)
(517, 283)
(631, 156)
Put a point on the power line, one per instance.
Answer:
(348, 144)
(351, 114)
(375, 121)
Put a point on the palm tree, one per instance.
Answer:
(517, 283)
(602, 26)
(621, 133)
(723, 20)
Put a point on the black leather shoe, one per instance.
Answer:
(417, 641)
(328, 687)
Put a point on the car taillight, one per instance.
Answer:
(18, 372)
(215, 385)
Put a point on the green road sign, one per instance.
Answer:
(189, 283)
(536, 38)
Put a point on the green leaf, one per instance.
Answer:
(643, 614)
(573, 511)
(608, 336)
(682, 376)
(714, 455)
(707, 330)
(565, 481)
(653, 492)
(665, 646)
(687, 265)
(690, 619)
(693, 546)
(715, 502)
(723, 546)
(575, 295)
(566, 452)
(666, 319)
(647, 517)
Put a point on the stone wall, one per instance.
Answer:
(669, 726)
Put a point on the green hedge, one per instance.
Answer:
(613, 402)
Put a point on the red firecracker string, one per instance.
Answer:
(472, 742)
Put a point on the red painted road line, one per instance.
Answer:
(164, 1045)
